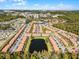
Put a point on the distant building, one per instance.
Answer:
(57, 15)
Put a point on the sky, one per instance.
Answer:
(40, 4)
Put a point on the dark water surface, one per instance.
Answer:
(37, 45)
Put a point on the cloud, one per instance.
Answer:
(2, 0)
(36, 4)
(60, 6)
(19, 2)
(23, 4)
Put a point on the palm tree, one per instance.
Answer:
(65, 55)
(1, 55)
(25, 55)
(8, 55)
(74, 55)
(69, 55)
(14, 56)
(18, 55)
(55, 56)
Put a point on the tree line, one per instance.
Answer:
(72, 22)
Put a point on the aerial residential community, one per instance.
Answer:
(39, 29)
(29, 35)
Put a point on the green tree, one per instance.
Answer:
(74, 55)
(65, 55)
(8, 55)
